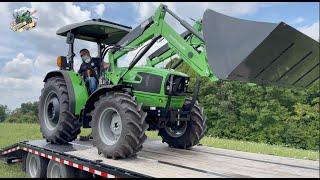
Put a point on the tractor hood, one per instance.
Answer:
(259, 52)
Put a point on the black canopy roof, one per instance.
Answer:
(96, 30)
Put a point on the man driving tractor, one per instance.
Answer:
(90, 69)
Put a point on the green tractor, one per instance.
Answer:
(131, 100)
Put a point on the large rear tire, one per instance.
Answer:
(118, 126)
(187, 133)
(57, 124)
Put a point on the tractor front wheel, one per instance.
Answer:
(56, 123)
(118, 127)
(185, 134)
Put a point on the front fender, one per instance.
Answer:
(77, 90)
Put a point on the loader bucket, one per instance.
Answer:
(259, 52)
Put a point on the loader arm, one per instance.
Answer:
(166, 52)
(197, 60)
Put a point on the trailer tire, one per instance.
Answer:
(57, 124)
(118, 127)
(36, 166)
(83, 174)
(58, 170)
(194, 130)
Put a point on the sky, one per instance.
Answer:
(26, 57)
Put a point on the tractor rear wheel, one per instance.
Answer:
(185, 134)
(118, 126)
(57, 124)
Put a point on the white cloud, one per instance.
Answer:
(196, 10)
(311, 30)
(5, 52)
(297, 20)
(44, 63)
(20, 67)
(15, 91)
(51, 19)
(99, 9)
(3, 13)
(21, 79)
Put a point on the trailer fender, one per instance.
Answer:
(77, 90)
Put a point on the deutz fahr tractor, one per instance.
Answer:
(131, 100)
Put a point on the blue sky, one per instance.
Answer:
(26, 57)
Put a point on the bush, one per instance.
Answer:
(27, 113)
(3, 112)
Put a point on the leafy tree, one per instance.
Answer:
(29, 107)
(26, 113)
(3, 112)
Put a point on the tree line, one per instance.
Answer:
(26, 113)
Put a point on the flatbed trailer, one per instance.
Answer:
(156, 159)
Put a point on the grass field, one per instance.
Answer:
(12, 133)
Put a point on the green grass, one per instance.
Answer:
(253, 147)
(12, 133)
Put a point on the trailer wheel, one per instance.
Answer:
(118, 125)
(187, 133)
(36, 166)
(83, 174)
(56, 123)
(58, 170)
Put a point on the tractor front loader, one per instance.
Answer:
(131, 100)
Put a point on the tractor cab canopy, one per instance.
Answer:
(96, 30)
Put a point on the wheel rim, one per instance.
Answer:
(55, 171)
(33, 166)
(177, 129)
(51, 110)
(110, 126)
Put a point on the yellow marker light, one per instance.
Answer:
(59, 61)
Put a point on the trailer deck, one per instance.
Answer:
(156, 159)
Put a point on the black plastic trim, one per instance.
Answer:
(92, 164)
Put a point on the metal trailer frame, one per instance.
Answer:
(159, 160)
(18, 152)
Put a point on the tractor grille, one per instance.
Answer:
(179, 87)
